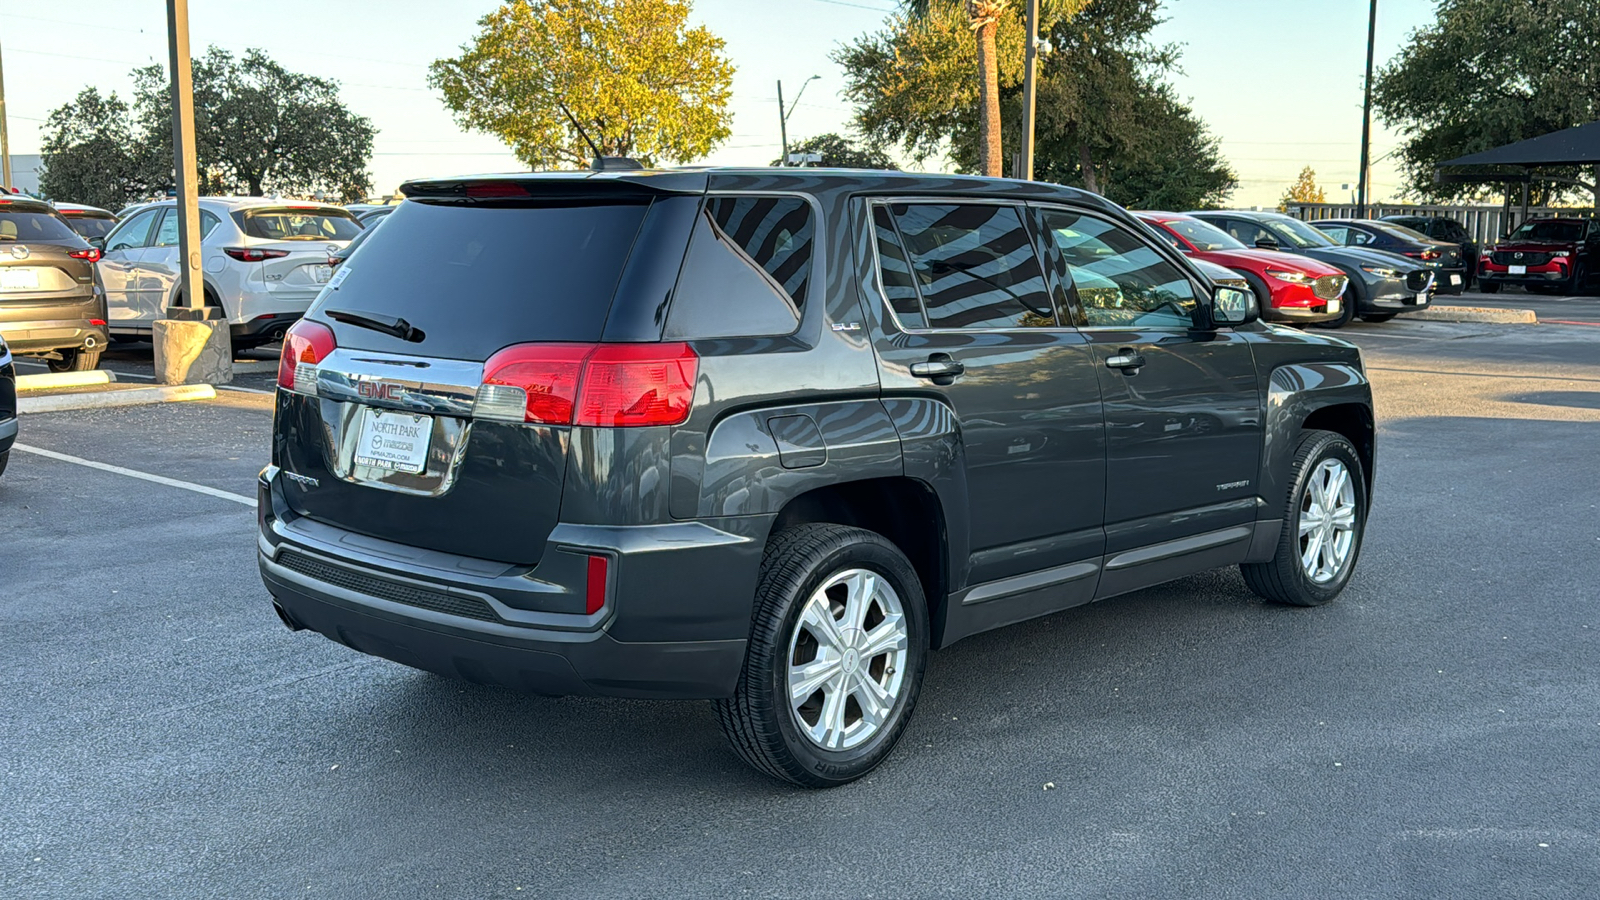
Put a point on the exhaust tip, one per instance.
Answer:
(287, 620)
(91, 342)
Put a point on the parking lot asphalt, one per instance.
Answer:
(1432, 733)
(1557, 310)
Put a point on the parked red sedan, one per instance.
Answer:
(1291, 288)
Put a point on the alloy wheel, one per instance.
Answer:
(847, 659)
(1327, 521)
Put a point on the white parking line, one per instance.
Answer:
(145, 476)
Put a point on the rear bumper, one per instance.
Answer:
(8, 433)
(267, 327)
(666, 629)
(44, 335)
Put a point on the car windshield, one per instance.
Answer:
(1205, 238)
(35, 224)
(1296, 233)
(92, 226)
(307, 223)
(1549, 231)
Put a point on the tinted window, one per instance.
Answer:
(1339, 234)
(92, 226)
(477, 278)
(776, 233)
(1120, 280)
(33, 224)
(133, 233)
(1244, 232)
(723, 291)
(1203, 235)
(298, 224)
(899, 286)
(1549, 231)
(167, 232)
(974, 266)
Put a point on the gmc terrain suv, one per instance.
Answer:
(768, 436)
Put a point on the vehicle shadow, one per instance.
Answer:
(1575, 399)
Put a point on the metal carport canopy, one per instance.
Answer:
(1572, 147)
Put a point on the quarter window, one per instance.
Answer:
(973, 266)
(776, 233)
(747, 271)
(1119, 279)
(899, 285)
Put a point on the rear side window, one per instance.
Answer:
(478, 278)
(973, 265)
(25, 224)
(297, 224)
(747, 271)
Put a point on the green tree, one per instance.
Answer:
(90, 153)
(1304, 190)
(840, 152)
(258, 128)
(1487, 73)
(629, 75)
(1107, 120)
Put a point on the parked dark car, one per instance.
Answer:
(766, 437)
(1553, 256)
(92, 222)
(1382, 285)
(8, 405)
(51, 305)
(1446, 259)
(1444, 228)
(373, 216)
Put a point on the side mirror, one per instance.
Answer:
(99, 243)
(1267, 242)
(1232, 306)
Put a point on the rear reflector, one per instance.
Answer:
(609, 385)
(304, 345)
(253, 254)
(595, 591)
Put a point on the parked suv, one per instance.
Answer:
(1444, 228)
(8, 405)
(1553, 256)
(51, 305)
(1447, 260)
(767, 437)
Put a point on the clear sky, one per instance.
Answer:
(1279, 81)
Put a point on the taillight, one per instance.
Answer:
(253, 254)
(304, 345)
(594, 595)
(87, 254)
(1431, 254)
(610, 385)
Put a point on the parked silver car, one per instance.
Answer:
(264, 260)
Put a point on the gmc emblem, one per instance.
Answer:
(377, 390)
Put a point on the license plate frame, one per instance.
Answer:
(393, 441)
(1517, 270)
(19, 279)
(1454, 279)
(321, 273)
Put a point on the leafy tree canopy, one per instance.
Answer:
(1488, 73)
(90, 153)
(1304, 190)
(1107, 120)
(840, 152)
(629, 74)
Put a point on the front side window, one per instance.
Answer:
(1120, 280)
(133, 233)
(1337, 233)
(167, 231)
(1296, 233)
(973, 265)
(1204, 236)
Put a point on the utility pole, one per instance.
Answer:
(1030, 90)
(191, 346)
(783, 126)
(1365, 183)
(5, 139)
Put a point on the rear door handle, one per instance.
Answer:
(1125, 359)
(938, 366)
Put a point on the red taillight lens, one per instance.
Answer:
(611, 385)
(306, 343)
(253, 254)
(637, 384)
(88, 254)
(1431, 254)
(594, 595)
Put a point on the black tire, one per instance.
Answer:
(1263, 295)
(4, 459)
(1283, 579)
(1377, 317)
(758, 719)
(75, 361)
(1488, 287)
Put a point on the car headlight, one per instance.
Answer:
(1291, 277)
(1381, 271)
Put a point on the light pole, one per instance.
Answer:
(1030, 90)
(1364, 183)
(5, 140)
(783, 116)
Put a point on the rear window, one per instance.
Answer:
(92, 226)
(297, 224)
(33, 224)
(478, 278)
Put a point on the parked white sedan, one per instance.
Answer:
(265, 260)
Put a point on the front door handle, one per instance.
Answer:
(940, 367)
(1126, 359)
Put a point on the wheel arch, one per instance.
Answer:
(1330, 396)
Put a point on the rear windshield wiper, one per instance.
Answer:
(394, 325)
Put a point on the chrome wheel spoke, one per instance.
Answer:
(860, 588)
(890, 635)
(829, 730)
(817, 618)
(1344, 518)
(805, 680)
(844, 679)
(874, 700)
(1309, 523)
(1313, 550)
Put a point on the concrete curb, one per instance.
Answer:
(1476, 314)
(133, 396)
(255, 367)
(45, 380)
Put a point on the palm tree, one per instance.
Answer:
(985, 18)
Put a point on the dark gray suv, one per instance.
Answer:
(768, 436)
